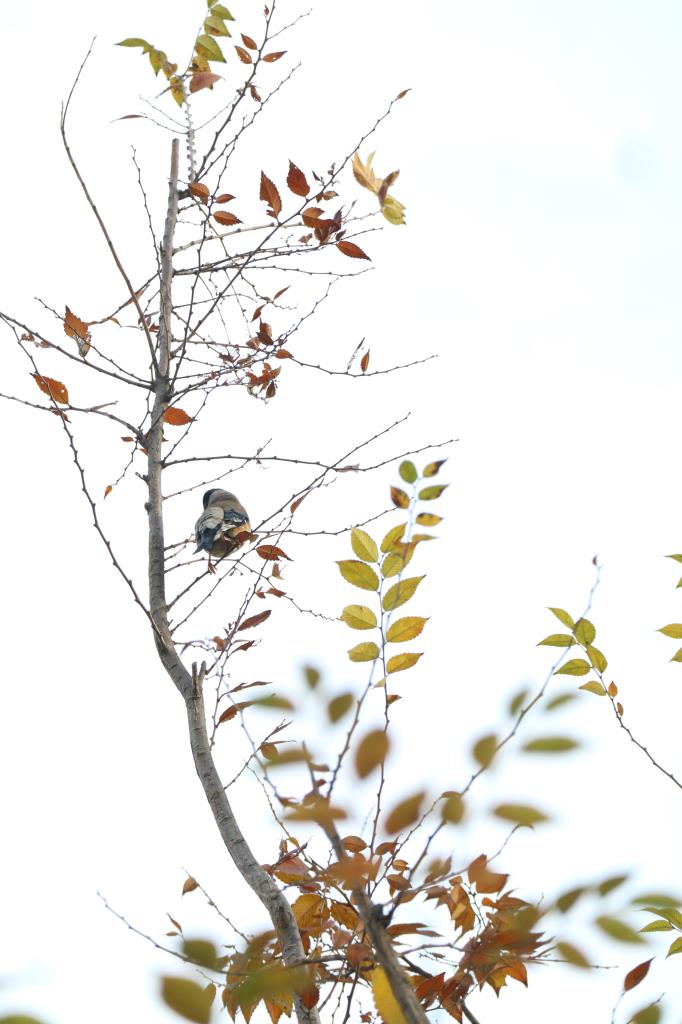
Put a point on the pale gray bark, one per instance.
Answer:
(190, 684)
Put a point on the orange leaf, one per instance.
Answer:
(244, 55)
(248, 41)
(271, 553)
(271, 57)
(364, 362)
(190, 885)
(269, 193)
(176, 417)
(310, 217)
(351, 249)
(482, 878)
(255, 620)
(296, 180)
(107, 490)
(405, 813)
(636, 975)
(225, 218)
(78, 329)
(224, 197)
(54, 388)
(202, 80)
(199, 190)
(371, 752)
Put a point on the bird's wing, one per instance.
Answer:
(210, 519)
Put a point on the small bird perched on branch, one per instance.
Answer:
(223, 526)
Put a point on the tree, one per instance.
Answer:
(190, 363)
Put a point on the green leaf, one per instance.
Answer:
(618, 930)
(400, 593)
(363, 546)
(188, 999)
(207, 47)
(200, 951)
(674, 630)
(340, 706)
(559, 700)
(569, 898)
(572, 954)
(433, 467)
(584, 631)
(675, 947)
(357, 616)
(594, 687)
(485, 749)
(609, 884)
(657, 926)
(364, 652)
(311, 675)
(557, 640)
(563, 616)
(221, 11)
(677, 656)
(393, 535)
(517, 702)
(408, 471)
(650, 1014)
(431, 493)
(657, 899)
(452, 809)
(520, 814)
(574, 667)
(405, 629)
(216, 23)
(428, 519)
(550, 745)
(136, 42)
(671, 914)
(598, 660)
(359, 574)
(400, 662)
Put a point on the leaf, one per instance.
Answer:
(433, 467)
(572, 954)
(269, 193)
(254, 620)
(431, 493)
(340, 706)
(353, 250)
(400, 662)
(485, 749)
(359, 574)
(557, 640)
(54, 388)
(297, 181)
(399, 498)
(364, 362)
(485, 880)
(107, 490)
(594, 687)
(199, 190)
(657, 926)
(367, 651)
(76, 328)
(363, 546)
(224, 197)
(408, 471)
(405, 813)
(269, 58)
(559, 700)
(517, 702)
(207, 47)
(201, 952)
(371, 752)
(674, 630)
(400, 593)
(427, 519)
(202, 80)
(176, 417)
(244, 55)
(386, 1003)
(596, 657)
(650, 1014)
(452, 809)
(584, 632)
(357, 616)
(675, 947)
(393, 536)
(550, 745)
(568, 899)
(189, 885)
(609, 884)
(657, 899)
(574, 667)
(618, 930)
(637, 974)
(563, 616)
(271, 553)
(188, 999)
(225, 218)
(405, 629)
(520, 814)
(677, 656)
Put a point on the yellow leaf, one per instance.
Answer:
(364, 652)
(393, 535)
(384, 1000)
(371, 752)
(363, 546)
(359, 574)
(357, 616)
(405, 629)
(400, 592)
(405, 813)
(400, 662)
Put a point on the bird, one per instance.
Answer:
(223, 526)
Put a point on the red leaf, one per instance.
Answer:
(199, 190)
(364, 362)
(244, 55)
(636, 975)
(351, 249)
(296, 180)
(176, 417)
(202, 80)
(255, 620)
(248, 41)
(269, 193)
(54, 388)
(271, 553)
(225, 218)
(271, 57)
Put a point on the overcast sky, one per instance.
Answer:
(541, 160)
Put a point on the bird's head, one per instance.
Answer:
(216, 493)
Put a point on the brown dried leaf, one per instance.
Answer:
(255, 95)
(54, 388)
(269, 58)
(190, 884)
(255, 620)
(107, 490)
(76, 328)
(271, 553)
(224, 197)
(351, 249)
(244, 55)
(296, 181)
(225, 218)
(364, 362)
(202, 80)
(269, 194)
(636, 975)
(199, 191)
(249, 42)
(176, 417)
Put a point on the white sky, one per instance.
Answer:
(540, 159)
